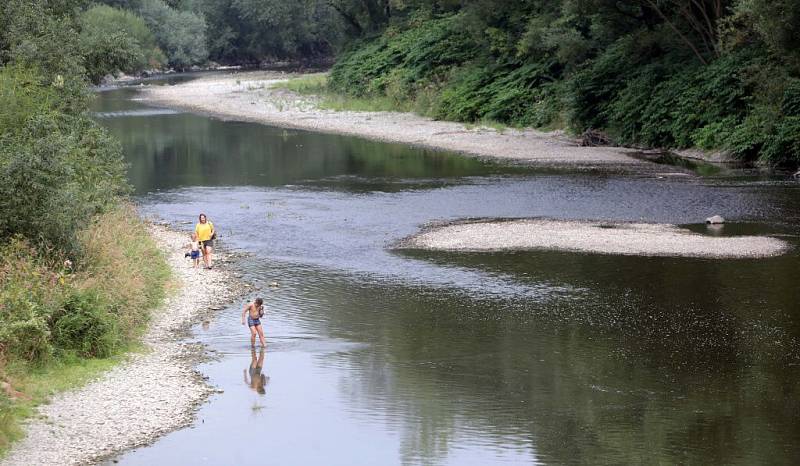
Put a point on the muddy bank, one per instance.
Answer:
(251, 97)
(641, 239)
(154, 392)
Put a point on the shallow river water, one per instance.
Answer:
(377, 356)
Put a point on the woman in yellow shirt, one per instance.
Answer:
(205, 234)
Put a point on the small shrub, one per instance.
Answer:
(463, 99)
(27, 339)
(790, 103)
(784, 146)
(714, 135)
(122, 264)
(29, 292)
(85, 326)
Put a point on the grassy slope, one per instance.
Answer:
(125, 270)
(316, 85)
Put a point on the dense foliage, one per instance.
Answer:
(58, 167)
(50, 311)
(251, 31)
(181, 34)
(117, 39)
(669, 73)
(62, 186)
(239, 31)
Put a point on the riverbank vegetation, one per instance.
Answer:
(718, 75)
(78, 273)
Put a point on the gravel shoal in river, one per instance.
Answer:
(148, 395)
(642, 239)
(251, 97)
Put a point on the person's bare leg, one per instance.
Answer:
(252, 336)
(206, 255)
(260, 336)
(208, 250)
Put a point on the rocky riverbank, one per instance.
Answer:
(154, 392)
(251, 96)
(640, 239)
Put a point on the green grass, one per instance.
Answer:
(317, 85)
(492, 124)
(41, 383)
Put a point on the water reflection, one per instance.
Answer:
(167, 149)
(253, 376)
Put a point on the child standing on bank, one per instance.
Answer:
(194, 250)
(254, 312)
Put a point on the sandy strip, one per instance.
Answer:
(641, 239)
(147, 396)
(250, 97)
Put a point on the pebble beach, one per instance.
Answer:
(639, 239)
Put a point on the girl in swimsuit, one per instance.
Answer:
(254, 312)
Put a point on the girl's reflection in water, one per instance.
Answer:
(257, 380)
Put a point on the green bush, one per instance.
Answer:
(28, 338)
(593, 87)
(58, 169)
(463, 98)
(43, 36)
(517, 96)
(404, 63)
(437, 56)
(180, 34)
(790, 103)
(114, 39)
(124, 266)
(642, 97)
(85, 326)
(29, 293)
(62, 175)
(784, 146)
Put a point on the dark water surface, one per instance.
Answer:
(383, 357)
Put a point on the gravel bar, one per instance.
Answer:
(251, 96)
(150, 394)
(640, 239)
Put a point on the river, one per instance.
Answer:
(377, 356)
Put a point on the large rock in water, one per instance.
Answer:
(715, 220)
